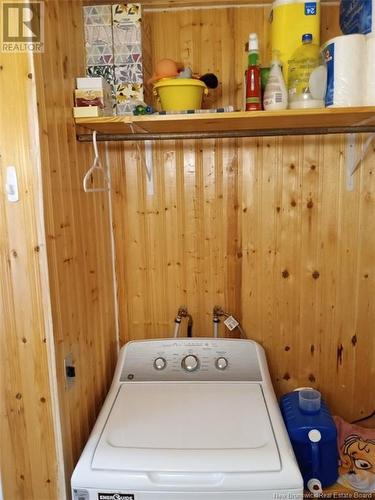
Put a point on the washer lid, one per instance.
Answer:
(190, 427)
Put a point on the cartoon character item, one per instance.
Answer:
(357, 456)
(166, 68)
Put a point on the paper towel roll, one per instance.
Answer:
(370, 69)
(346, 64)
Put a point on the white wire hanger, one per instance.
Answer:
(98, 168)
(146, 161)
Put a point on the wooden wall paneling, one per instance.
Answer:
(67, 225)
(341, 249)
(228, 163)
(29, 457)
(210, 41)
(172, 229)
(339, 255)
(363, 339)
(164, 158)
(270, 206)
(154, 247)
(219, 232)
(262, 218)
(118, 197)
(327, 262)
(195, 225)
(96, 228)
(206, 221)
(303, 271)
(165, 233)
(247, 198)
(146, 214)
(147, 60)
(202, 231)
(89, 217)
(210, 233)
(174, 238)
(330, 22)
(191, 204)
(213, 40)
(61, 226)
(127, 229)
(78, 229)
(310, 284)
(141, 279)
(263, 227)
(51, 181)
(347, 261)
(180, 231)
(184, 191)
(288, 271)
(305, 261)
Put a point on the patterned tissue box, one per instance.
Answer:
(114, 51)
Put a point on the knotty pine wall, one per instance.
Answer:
(78, 235)
(28, 450)
(37, 450)
(263, 227)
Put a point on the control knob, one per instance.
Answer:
(190, 363)
(221, 363)
(160, 363)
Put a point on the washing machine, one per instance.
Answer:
(189, 418)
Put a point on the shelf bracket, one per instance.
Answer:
(352, 160)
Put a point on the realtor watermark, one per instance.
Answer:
(326, 495)
(22, 27)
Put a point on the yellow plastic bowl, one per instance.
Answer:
(178, 94)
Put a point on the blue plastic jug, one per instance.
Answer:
(313, 436)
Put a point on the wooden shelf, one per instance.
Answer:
(289, 122)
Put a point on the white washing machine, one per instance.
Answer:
(189, 418)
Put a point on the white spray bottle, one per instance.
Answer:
(275, 94)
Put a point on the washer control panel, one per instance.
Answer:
(185, 359)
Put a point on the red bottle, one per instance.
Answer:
(253, 89)
(253, 82)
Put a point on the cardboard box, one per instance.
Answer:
(87, 112)
(91, 98)
(91, 83)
